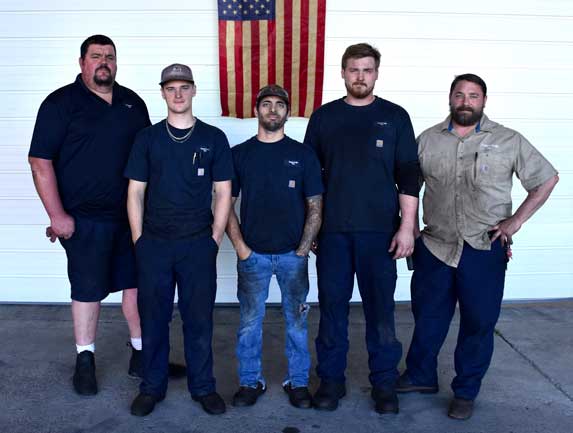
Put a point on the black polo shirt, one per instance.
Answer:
(369, 155)
(179, 178)
(274, 180)
(89, 142)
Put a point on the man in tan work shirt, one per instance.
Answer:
(467, 164)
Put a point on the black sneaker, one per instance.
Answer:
(144, 404)
(386, 400)
(84, 376)
(135, 370)
(298, 396)
(247, 395)
(211, 403)
(327, 395)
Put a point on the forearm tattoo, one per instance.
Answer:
(312, 222)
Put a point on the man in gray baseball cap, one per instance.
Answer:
(172, 170)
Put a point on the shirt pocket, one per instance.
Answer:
(198, 165)
(383, 140)
(492, 168)
(293, 174)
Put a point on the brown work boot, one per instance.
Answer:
(461, 408)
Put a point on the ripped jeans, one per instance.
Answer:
(255, 274)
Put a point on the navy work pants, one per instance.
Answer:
(340, 257)
(191, 264)
(477, 284)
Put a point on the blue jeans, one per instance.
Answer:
(340, 257)
(255, 274)
(477, 285)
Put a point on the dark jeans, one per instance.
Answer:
(477, 284)
(189, 263)
(340, 256)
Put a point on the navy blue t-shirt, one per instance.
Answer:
(368, 155)
(179, 178)
(274, 180)
(88, 142)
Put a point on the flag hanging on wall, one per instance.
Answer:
(271, 42)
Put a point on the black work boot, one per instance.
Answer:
(84, 376)
(327, 395)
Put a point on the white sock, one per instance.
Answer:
(136, 343)
(90, 347)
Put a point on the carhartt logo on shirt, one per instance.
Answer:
(200, 172)
(381, 123)
(128, 105)
(292, 183)
(293, 163)
(379, 144)
(204, 149)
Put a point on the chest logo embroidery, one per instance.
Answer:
(293, 163)
(292, 183)
(128, 105)
(379, 144)
(200, 172)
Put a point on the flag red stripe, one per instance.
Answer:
(272, 38)
(321, 18)
(303, 70)
(287, 43)
(239, 68)
(223, 68)
(255, 62)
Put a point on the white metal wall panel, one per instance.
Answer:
(523, 49)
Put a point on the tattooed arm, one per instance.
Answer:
(311, 225)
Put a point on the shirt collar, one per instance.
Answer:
(117, 94)
(484, 125)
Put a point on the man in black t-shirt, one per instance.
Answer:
(369, 158)
(172, 168)
(281, 202)
(81, 141)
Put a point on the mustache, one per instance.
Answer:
(103, 67)
(459, 109)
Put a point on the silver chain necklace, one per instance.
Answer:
(180, 139)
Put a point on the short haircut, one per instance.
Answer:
(359, 51)
(95, 40)
(472, 78)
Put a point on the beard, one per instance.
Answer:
(107, 81)
(466, 116)
(272, 125)
(359, 90)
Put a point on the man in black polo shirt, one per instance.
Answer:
(81, 142)
(368, 152)
(281, 204)
(172, 169)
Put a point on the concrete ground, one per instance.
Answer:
(529, 386)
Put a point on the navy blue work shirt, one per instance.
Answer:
(88, 142)
(369, 155)
(179, 178)
(274, 180)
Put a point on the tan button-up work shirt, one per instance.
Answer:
(468, 183)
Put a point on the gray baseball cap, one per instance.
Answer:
(176, 71)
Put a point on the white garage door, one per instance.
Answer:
(523, 49)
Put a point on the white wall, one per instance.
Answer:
(522, 48)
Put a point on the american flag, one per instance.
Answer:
(271, 42)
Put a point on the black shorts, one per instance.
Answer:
(101, 259)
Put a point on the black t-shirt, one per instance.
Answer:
(274, 180)
(88, 141)
(179, 178)
(368, 155)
